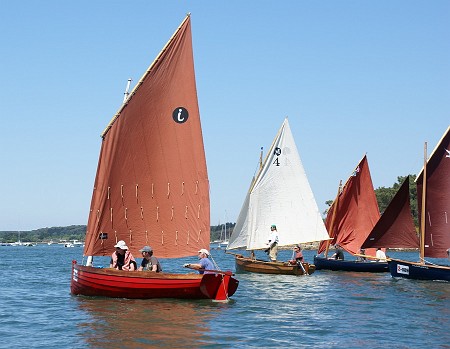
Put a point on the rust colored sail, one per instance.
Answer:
(395, 228)
(437, 206)
(151, 186)
(355, 211)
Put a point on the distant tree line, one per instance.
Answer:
(72, 232)
(78, 232)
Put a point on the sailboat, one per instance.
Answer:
(152, 188)
(350, 220)
(18, 242)
(279, 194)
(223, 236)
(433, 187)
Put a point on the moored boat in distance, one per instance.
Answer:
(152, 186)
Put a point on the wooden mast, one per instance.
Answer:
(333, 217)
(252, 252)
(422, 213)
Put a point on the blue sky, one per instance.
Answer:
(353, 77)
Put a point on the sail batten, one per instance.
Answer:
(152, 176)
(280, 194)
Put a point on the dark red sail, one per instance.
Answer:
(356, 211)
(395, 228)
(437, 206)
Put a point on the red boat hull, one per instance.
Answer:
(90, 281)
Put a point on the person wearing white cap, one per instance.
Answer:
(205, 266)
(149, 262)
(121, 258)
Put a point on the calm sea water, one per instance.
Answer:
(324, 310)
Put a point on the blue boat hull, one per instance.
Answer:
(412, 270)
(343, 265)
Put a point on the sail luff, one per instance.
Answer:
(239, 236)
(141, 80)
(422, 213)
(334, 208)
(266, 159)
(241, 232)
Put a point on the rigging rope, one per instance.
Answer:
(223, 276)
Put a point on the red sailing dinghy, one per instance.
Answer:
(152, 187)
(350, 220)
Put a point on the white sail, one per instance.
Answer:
(280, 195)
(239, 237)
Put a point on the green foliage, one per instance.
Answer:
(73, 232)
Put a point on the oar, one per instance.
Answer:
(301, 264)
(304, 271)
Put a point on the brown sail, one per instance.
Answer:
(151, 186)
(395, 228)
(437, 206)
(355, 211)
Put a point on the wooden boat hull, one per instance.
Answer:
(245, 264)
(343, 265)
(412, 270)
(90, 281)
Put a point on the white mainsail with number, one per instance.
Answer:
(280, 194)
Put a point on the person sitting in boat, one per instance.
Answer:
(205, 266)
(273, 243)
(121, 258)
(381, 256)
(339, 254)
(149, 262)
(298, 256)
(361, 258)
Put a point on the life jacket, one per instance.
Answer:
(128, 259)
